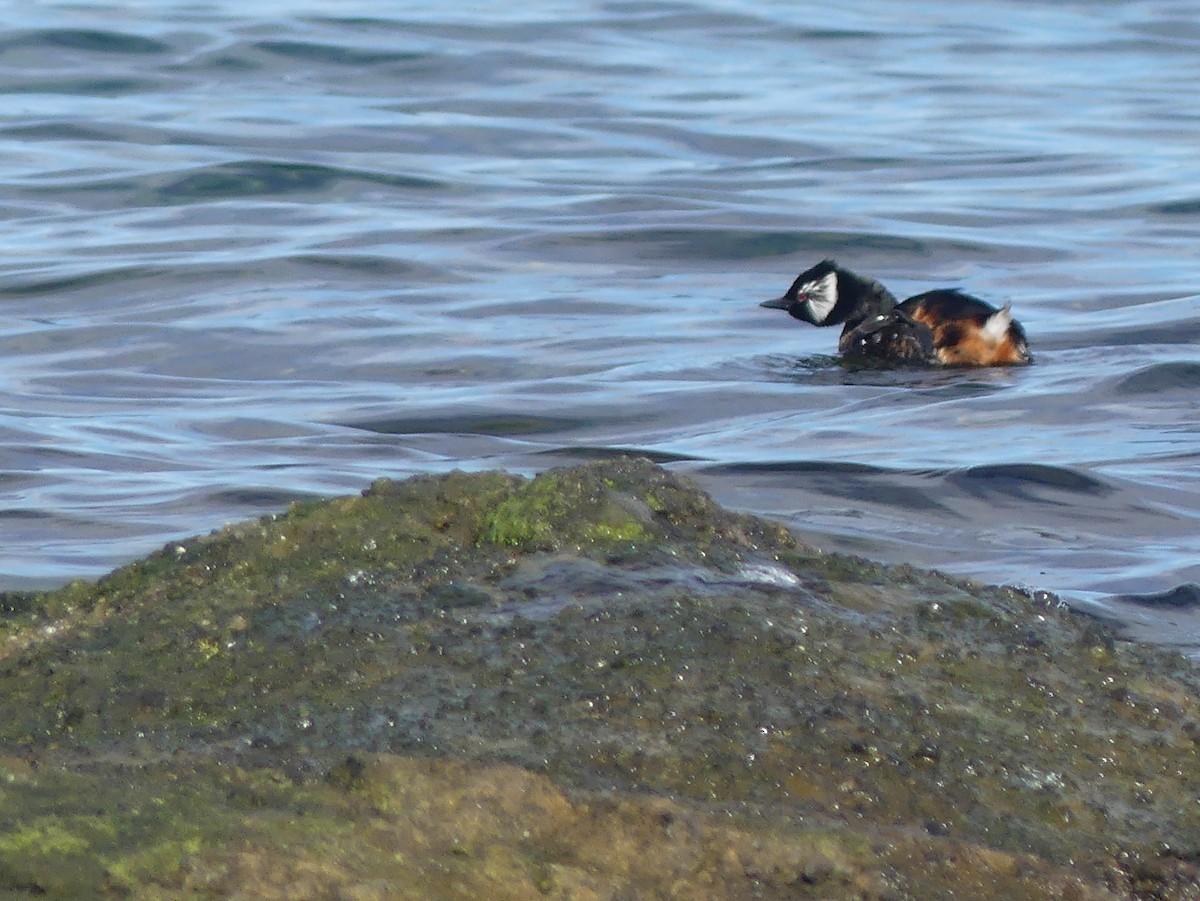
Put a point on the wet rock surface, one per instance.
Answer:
(592, 684)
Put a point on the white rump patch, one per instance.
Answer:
(821, 297)
(997, 325)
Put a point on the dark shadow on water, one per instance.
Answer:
(475, 424)
(800, 467)
(823, 370)
(1178, 375)
(1185, 596)
(1028, 481)
(602, 452)
(887, 488)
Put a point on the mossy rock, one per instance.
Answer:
(594, 683)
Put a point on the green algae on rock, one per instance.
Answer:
(590, 683)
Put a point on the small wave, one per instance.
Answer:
(91, 40)
(1178, 207)
(313, 51)
(852, 481)
(484, 424)
(58, 283)
(805, 467)
(85, 86)
(1181, 596)
(691, 244)
(1025, 480)
(258, 498)
(1171, 376)
(268, 177)
(603, 452)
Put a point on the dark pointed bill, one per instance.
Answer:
(779, 303)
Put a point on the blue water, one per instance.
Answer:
(260, 251)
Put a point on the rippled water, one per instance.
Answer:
(257, 251)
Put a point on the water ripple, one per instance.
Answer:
(259, 253)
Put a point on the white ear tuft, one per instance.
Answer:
(997, 325)
(821, 297)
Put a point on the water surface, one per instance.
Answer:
(262, 251)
